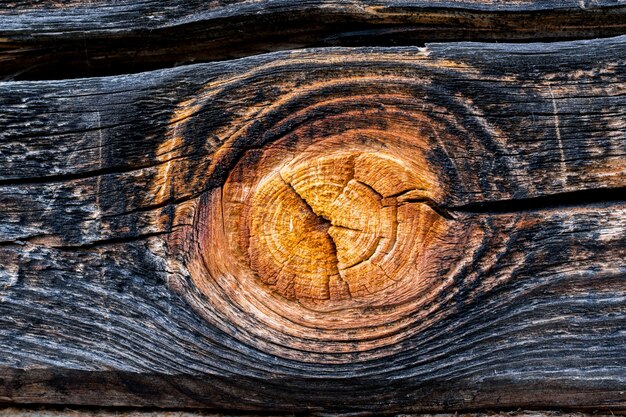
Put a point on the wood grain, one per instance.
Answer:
(123, 201)
(68, 412)
(77, 38)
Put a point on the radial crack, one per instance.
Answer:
(324, 222)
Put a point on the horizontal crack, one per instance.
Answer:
(111, 241)
(579, 198)
(95, 49)
(440, 210)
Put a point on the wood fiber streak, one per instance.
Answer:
(61, 39)
(125, 203)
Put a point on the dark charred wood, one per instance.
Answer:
(60, 39)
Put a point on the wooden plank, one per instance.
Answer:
(46, 412)
(47, 40)
(17, 412)
(134, 270)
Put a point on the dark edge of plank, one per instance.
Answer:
(116, 412)
(68, 40)
(215, 393)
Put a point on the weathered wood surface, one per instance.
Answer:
(47, 412)
(119, 287)
(61, 39)
(77, 412)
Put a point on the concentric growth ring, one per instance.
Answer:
(326, 228)
(324, 237)
(339, 223)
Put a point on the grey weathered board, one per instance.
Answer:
(104, 186)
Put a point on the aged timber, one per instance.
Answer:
(134, 272)
(78, 412)
(62, 39)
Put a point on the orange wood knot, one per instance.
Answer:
(327, 227)
(334, 224)
(320, 227)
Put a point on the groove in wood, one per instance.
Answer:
(63, 39)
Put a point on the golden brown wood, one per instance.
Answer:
(332, 227)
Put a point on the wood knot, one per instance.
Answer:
(338, 224)
(320, 228)
(326, 227)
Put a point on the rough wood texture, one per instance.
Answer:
(47, 412)
(17, 412)
(61, 39)
(133, 270)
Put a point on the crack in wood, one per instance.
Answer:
(78, 41)
(557, 201)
